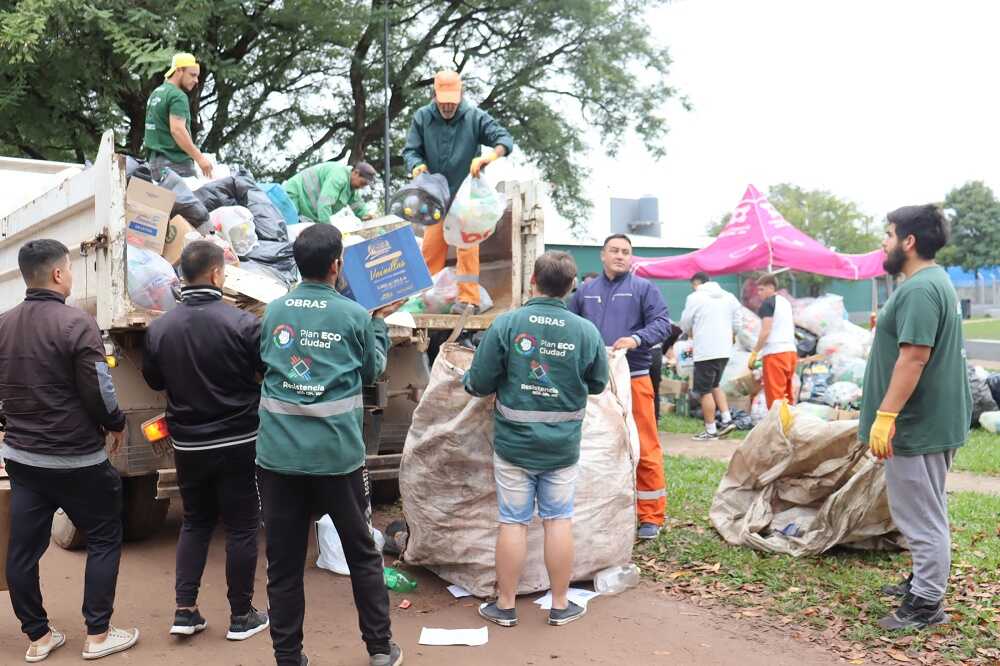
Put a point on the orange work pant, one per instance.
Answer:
(650, 480)
(435, 251)
(779, 369)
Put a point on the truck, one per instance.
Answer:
(84, 208)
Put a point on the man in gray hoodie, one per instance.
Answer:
(711, 318)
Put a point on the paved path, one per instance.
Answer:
(682, 445)
(987, 350)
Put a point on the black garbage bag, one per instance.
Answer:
(186, 204)
(424, 200)
(272, 258)
(993, 381)
(805, 342)
(242, 190)
(982, 397)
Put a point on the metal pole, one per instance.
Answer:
(385, 95)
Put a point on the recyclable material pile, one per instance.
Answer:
(833, 353)
(231, 211)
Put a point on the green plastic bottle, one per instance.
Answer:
(397, 581)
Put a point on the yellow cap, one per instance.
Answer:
(181, 60)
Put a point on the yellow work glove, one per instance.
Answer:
(417, 170)
(479, 163)
(881, 434)
(752, 361)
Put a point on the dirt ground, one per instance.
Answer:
(639, 626)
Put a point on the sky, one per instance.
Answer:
(882, 102)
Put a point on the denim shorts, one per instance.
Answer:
(519, 488)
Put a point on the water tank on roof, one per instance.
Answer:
(649, 210)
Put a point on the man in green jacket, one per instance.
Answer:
(445, 137)
(541, 361)
(319, 348)
(323, 189)
(168, 122)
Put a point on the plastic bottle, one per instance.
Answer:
(397, 581)
(615, 580)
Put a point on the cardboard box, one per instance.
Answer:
(385, 268)
(173, 243)
(147, 211)
(673, 386)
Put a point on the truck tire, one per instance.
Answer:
(142, 514)
(64, 532)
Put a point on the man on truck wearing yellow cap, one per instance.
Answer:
(168, 122)
(445, 137)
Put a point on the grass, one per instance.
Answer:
(838, 591)
(981, 329)
(981, 454)
(685, 425)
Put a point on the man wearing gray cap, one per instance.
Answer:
(322, 190)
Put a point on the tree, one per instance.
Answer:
(975, 228)
(288, 83)
(836, 223)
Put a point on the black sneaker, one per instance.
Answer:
(505, 617)
(705, 436)
(726, 428)
(915, 613)
(900, 589)
(394, 658)
(188, 623)
(242, 627)
(561, 616)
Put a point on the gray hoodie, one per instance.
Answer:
(712, 317)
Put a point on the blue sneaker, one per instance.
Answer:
(648, 531)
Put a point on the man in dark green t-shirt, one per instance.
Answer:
(917, 406)
(168, 122)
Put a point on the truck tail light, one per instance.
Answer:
(155, 429)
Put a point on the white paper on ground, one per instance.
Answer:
(458, 591)
(454, 636)
(575, 594)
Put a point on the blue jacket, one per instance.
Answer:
(623, 307)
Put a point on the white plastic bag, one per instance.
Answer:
(331, 550)
(848, 369)
(235, 224)
(150, 279)
(842, 394)
(474, 213)
(295, 229)
(845, 339)
(684, 352)
(749, 330)
(822, 315)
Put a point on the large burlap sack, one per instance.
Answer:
(449, 495)
(803, 490)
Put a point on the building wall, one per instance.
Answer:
(857, 295)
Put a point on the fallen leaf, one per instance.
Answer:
(856, 661)
(677, 574)
(715, 569)
(404, 604)
(660, 653)
(898, 656)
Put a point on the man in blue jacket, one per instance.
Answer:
(630, 314)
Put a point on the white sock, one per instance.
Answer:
(726, 416)
(710, 428)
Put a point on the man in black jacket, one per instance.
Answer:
(206, 354)
(59, 403)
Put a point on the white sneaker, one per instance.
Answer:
(40, 652)
(117, 640)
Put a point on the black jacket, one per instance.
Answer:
(56, 394)
(206, 355)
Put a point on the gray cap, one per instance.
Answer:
(366, 170)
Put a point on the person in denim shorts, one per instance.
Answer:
(541, 361)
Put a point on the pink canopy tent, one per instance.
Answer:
(759, 238)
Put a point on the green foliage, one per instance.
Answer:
(286, 84)
(975, 230)
(836, 223)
